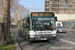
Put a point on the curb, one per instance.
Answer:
(16, 42)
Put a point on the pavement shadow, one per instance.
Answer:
(20, 39)
(60, 36)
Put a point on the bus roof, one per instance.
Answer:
(29, 15)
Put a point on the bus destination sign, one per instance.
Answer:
(43, 14)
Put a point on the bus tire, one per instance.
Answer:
(23, 34)
(19, 32)
(26, 37)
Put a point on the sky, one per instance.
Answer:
(33, 5)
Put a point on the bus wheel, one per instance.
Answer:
(19, 33)
(26, 37)
(23, 35)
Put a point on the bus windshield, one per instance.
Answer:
(43, 23)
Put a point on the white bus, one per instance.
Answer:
(38, 26)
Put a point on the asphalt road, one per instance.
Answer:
(64, 41)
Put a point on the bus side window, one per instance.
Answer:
(25, 24)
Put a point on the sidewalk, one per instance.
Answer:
(16, 42)
(70, 29)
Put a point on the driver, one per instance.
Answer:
(50, 26)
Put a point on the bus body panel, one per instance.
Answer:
(42, 35)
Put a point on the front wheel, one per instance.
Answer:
(26, 37)
(23, 34)
(19, 33)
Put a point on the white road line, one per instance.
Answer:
(67, 41)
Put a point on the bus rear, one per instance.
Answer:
(42, 26)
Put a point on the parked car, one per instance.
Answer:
(61, 29)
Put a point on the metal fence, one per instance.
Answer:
(69, 24)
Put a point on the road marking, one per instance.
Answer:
(67, 41)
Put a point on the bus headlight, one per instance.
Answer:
(32, 33)
(31, 36)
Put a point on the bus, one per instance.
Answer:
(38, 26)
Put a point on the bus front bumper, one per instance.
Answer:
(42, 37)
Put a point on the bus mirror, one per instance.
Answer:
(56, 18)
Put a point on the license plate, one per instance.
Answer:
(43, 38)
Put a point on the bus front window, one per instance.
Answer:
(43, 23)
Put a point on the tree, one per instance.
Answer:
(6, 16)
(19, 12)
(1, 10)
(9, 7)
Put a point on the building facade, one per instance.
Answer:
(60, 6)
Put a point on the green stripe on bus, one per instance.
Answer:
(27, 32)
(54, 15)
